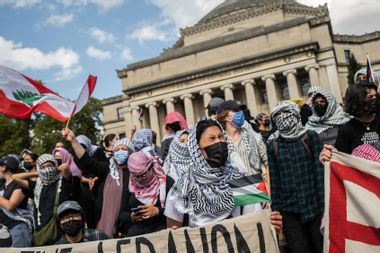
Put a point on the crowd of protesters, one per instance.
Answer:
(129, 187)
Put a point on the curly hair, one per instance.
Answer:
(355, 100)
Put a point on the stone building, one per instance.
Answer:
(256, 52)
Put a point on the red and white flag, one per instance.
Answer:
(20, 96)
(352, 202)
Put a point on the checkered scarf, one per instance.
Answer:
(313, 89)
(142, 138)
(334, 116)
(114, 171)
(288, 124)
(46, 176)
(90, 149)
(206, 188)
(368, 152)
(178, 160)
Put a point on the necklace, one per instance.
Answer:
(366, 125)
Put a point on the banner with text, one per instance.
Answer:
(249, 233)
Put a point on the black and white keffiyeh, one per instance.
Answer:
(46, 176)
(313, 90)
(287, 118)
(206, 188)
(334, 116)
(90, 149)
(178, 160)
(114, 171)
(142, 138)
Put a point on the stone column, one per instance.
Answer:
(228, 93)
(250, 95)
(271, 90)
(294, 91)
(169, 102)
(135, 116)
(313, 74)
(153, 118)
(189, 110)
(332, 74)
(206, 98)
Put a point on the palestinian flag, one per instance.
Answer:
(249, 190)
(20, 96)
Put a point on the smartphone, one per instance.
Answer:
(135, 209)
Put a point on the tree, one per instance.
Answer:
(353, 66)
(13, 135)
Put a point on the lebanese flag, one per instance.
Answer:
(249, 190)
(20, 96)
(352, 204)
(369, 74)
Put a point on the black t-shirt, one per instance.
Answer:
(356, 133)
(8, 191)
(47, 200)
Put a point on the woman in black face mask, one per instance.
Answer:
(71, 222)
(327, 116)
(361, 102)
(204, 193)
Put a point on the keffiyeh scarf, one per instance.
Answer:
(148, 189)
(178, 159)
(142, 138)
(114, 171)
(46, 176)
(90, 149)
(289, 123)
(206, 188)
(334, 116)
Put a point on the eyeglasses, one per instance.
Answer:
(69, 217)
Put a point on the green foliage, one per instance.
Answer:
(353, 66)
(44, 131)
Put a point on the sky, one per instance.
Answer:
(61, 42)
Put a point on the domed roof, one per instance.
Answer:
(229, 6)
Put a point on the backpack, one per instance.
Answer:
(305, 141)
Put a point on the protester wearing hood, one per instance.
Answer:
(327, 117)
(142, 211)
(177, 162)
(173, 123)
(204, 193)
(305, 110)
(297, 186)
(361, 75)
(72, 224)
(14, 211)
(244, 139)
(113, 180)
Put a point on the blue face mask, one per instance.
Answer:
(238, 119)
(120, 156)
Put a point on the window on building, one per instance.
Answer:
(120, 113)
(303, 77)
(347, 55)
(121, 136)
(263, 92)
(283, 84)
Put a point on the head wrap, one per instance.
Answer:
(68, 159)
(114, 171)
(46, 176)
(289, 124)
(206, 188)
(142, 138)
(90, 149)
(178, 161)
(147, 190)
(313, 89)
(363, 71)
(334, 116)
(368, 152)
(173, 117)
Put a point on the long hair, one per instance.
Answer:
(354, 100)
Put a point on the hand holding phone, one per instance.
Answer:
(135, 209)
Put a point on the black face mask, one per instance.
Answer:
(27, 165)
(266, 123)
(72, 228)
(320, 110)
(217, 154)
(59, 161)
(370, 105)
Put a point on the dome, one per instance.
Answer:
(229, 6)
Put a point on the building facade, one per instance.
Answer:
(256, 52)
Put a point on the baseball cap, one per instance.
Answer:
(228, 105)
(68, 205)
(10, 161)
(214, 102)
